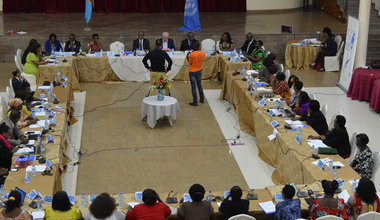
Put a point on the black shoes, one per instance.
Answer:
(193, 103)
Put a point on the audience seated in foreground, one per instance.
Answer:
(61, 208)
(197, 209)
(364, 200)
(12, 209)
(337, 138)
(152, 208)
(315, 118)
(328, 205)
(233, 204)
(281, 86)
(290, 208)
(104, 208)
(363, 162)
(6, 150)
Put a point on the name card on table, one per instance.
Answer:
(226, 53)
(64, 85)
(298, 139)
(321, 164)
(138, 196)
(170, 53)
(68, 54)
(274, 124)
(98, 54)
(53, 122)
(58, 53)
(49, 164)
(262, 102)
(91, 198)
(54, 96)
(64, 78)
(233, 59)
(33, 194)
(110, 53)
(41, 95)
(207, 53)
(187, 198)
(48, 199)
(226, 194)
(50, 139)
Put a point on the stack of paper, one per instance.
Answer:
(344, 195)
(251, 72)
(25, 150)
(316, 143)
(295, 124)
(38, 215)
(39, 168)
(260, 89)
(268, 207)
(39, 124)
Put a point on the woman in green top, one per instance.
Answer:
(33, 60)
(257, 57)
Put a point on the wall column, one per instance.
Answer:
(361, 50)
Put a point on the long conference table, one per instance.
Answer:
(292, 161)
(92, 68)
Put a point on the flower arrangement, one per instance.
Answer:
(161, 82)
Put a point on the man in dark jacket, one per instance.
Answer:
(187, 44)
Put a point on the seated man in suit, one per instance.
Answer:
(167, 43)
(249, 44)
(17, 80)
(72, 45)
(141, 43)
(187, 44)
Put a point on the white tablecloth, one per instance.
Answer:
(153, 109)
(131, 68)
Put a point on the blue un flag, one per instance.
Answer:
(191, 16)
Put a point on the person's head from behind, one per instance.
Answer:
(15, 115)
(298, 85)
(52, 37)
(196, 45)
(141, 35)
(366, 190)
(280, 76)
(269, 60)
(339, 122)
(272, 69)
(236, 193)
(327, 31)
(249, 37)
(226, 37)
(314, 106)
(14, 201)
(288, 192)
(362, 140)
(329, 187)
(5, 130)
(304, 97)
(197, 192)
(15, 103)
(149, 197)
(259, 44)
(165, 36)
(61, 202)
(103, 206)
(95, 37)
(32, 41)
(72, 37)
(23, 90)
(36, 49)
(17, 73)
(190, 36)
(158, 44)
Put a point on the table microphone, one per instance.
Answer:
(172, 199)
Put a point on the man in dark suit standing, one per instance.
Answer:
(141, 43)
(249, 44)
(167, 43)
(17, 80)
(187, 44)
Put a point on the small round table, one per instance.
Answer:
(152, 110)
(300, 57)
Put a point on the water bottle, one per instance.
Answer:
(335, 174)
(43, 103)
(39, 204)
(80, 49)
(255, 85)
(354, 183)
(83, 199)
(2, 191)
(57, 60)
(330, 166)
(101, 51)
(122, 51)
(34, 170)
(121, 199)
(312, 151)
(42, 150)
(242, 72)
(240, 52)
(27, 178)
(209, 196)
(47, 114)
(301, 134)
(46, 125)
(49, 108)
(284, 117)
(51, 87)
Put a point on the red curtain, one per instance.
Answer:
(119, 6)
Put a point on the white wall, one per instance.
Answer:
(272, 4)
(1, 5)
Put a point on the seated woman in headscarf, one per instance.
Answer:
(26, 119)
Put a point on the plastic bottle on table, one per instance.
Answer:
(330, 166)
(83, 199)
(2, 191)
(242, 71)
(354, 183)
(42, 150)
(209, 196)
(34, 170)
(39, 204)
(121, 199)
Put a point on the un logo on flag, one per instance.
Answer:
(190, 8)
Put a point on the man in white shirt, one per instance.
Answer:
(167, 43)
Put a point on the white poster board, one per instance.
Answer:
(349, 53)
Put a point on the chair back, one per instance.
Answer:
(208, 45)
(10, 93)
(376, 164)
(324, 110)
(19, 53)
(11, 84)
(338, 40)
(340, 51)
(329, 217)
(287, 74)
(242, 217)
(3, 108)
(117, 47)
(31, 79)
(353, 148)
(369, 216)
(19, 64)
(63, 46)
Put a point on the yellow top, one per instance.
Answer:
(30, 66)
(73, 214)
